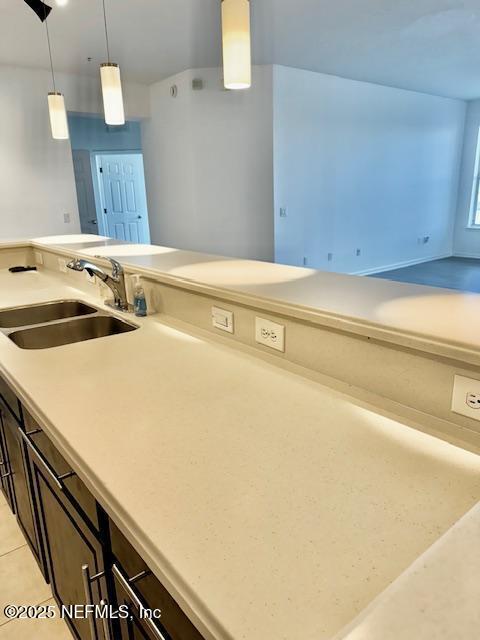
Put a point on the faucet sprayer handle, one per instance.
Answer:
(117, 269)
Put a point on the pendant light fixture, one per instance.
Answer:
(41, 9)
(56, 102)
(237, 65)
(111, 86)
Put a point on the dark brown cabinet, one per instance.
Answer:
(137, 587)
(135, 626)
(23, 503)
(83, 554)
(74, 556)
(19, 484)
(73, 548)
(5, 473)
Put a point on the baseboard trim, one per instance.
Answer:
(466, 255)
(401, 265)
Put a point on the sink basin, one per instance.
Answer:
(55, 335)
(40, 313)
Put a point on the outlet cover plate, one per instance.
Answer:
(463, 388)
(270, 334)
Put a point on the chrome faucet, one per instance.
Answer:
(116, 281)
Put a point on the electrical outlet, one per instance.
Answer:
(283, 212)
(358, 252)
(270, 334)
(62, 265)
(473, 400)
(38, 257)
(466, 397)
(330, 257)
(66, 218)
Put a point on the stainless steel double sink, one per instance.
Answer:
(52, 324)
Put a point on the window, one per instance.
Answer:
(475, 220)
(475, 207)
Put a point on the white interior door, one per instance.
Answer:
(125, 213)
(85, 191)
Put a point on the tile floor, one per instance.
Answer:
(22, 583)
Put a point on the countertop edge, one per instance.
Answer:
(347, 324)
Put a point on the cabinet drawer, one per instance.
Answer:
(80, 496)
(10, 400)
(173, 623)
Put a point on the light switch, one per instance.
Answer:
(222, 319)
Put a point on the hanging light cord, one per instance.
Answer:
(50, 52)
(106, 31)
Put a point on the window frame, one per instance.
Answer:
(474, 203)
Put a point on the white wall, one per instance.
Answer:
(209, 165)
(37, 185)
(362, 166)
(467, 240)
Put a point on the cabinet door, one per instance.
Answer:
(74, 553)
(9, 399)
(21, 482)
(78, 493)
(145, 590)
(5, 473)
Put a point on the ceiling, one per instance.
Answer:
(423, 45)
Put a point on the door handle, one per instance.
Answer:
(93, 221)
(139, 217)
(105, 621)
(127, 586)
(58, 480)
(87, 587)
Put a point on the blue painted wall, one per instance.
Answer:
(93, 134)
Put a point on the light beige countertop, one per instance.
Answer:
(439, 321)
(270, 506)
(414, 607)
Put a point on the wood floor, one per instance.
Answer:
(451, 273)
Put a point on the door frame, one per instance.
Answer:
(95, 160)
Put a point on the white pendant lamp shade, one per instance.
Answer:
(56, 101)
(58, 116)
(237, 65)
(112, 93)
